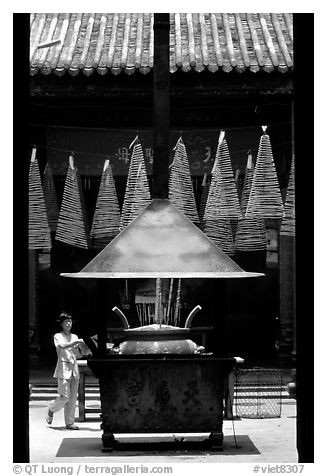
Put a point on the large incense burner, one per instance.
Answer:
(155, 339)
(157, 379)
(158, 338)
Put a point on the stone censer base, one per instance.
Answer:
(162, 394)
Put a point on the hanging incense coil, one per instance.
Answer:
(72, 227)
(220, 232)
(251, 232)
(288, 221)
(140, 199)
(181, 191)
(137, 193)
(38, 227)
(50, 198)
(265, 199)
(106, 219)
(222, 199)
(251, 235)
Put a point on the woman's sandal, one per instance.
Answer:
(49, 417)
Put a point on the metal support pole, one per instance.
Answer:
(294, 296)
(33, 304)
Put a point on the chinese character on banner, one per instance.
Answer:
(199, 154)
(149, 155)
(123, 154)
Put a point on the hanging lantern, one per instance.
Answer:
(38, 227)
(265, 199)
(222, 200)
(137, 193)
(251, 232)
(180, 184)
(288, 221)
(106, 219)
(72, 223)
(50, 198)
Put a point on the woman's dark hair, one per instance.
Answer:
(63, 316)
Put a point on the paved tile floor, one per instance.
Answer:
(257, 440)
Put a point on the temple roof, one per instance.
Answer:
(123, 42)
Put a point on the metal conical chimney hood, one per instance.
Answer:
(161, 243)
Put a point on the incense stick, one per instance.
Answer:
(178, 298)
(156, 314)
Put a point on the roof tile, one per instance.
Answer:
(119, 42)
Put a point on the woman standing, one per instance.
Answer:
(69, 347)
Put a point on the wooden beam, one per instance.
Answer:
(161, 105)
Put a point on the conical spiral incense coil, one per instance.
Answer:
(181, 191)
(72, 226)
(137, 187)
(220, 232)
(50, 198)
(38, 228)
(251, 232)
(288, 221)
(140, 199)
(222, 200)
(106, 219)
(251, 235)
(265, 199)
